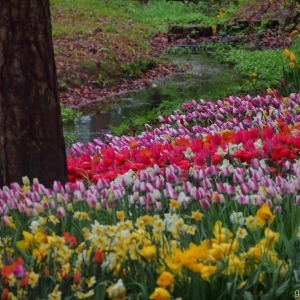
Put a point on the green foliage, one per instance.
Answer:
(135, 68)
(290, 81)
(265, 63)
(70, 115)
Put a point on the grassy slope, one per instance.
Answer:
(102, 42)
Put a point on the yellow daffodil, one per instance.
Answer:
(148, 252)
(265, 214)
(33, 279)
(207, 271)
(120, 215)
(166, 279)
(197, 215)
(160, 294)
(241, 233)
(174, 204)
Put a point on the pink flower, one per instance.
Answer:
(61, 212)
(19, 272)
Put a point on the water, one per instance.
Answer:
(205, 76)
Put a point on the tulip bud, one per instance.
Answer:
(286, 53)
(293, 57)
(70, 207)
(19, 272)
(25, 180)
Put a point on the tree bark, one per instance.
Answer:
(31, 135)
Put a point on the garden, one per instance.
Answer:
(203, 203)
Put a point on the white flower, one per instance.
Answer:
(295, 132)
(116, 290)
(188, 153)
(258, 144)
(227, 164)
(237, 218)
(263, 163)
(221, 152)
(36, 225)
(232, 148)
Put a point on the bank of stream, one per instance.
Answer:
(201, 76)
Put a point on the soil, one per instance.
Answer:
(88, 90)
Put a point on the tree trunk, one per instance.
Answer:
(31, 136)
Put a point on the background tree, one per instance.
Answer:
(31, 136)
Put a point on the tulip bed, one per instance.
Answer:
(204, 206)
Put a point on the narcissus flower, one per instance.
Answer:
(197, 215)
(33, 279)
(241, 233)
(116, 290)
(160, 294)
(265, 214)
(120, 215)
(166, 279)
(148, 251)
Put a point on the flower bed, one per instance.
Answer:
(208, 199)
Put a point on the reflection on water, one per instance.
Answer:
(204, 76)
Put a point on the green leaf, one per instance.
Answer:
(248, 296)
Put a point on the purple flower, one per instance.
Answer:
(19, 272)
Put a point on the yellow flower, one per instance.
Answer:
(120, 215)
(222, 234)
(265, 213)
(160, 294)
(90, 281)
(148, 251)
(286, 53)
(148, 220)
(191, 230)
(11, 280)
(53, 219)
(81, 215)
(207, 271)
(174, 204)
(56, 294)
(33, 279)
(27, 242)
(235, 265)
(241, 233)
(197, 215)
(116, 290)
(81, 295)
(176, 262)
(166, 279)
(11, 296)
(292, 65)
(293, 57)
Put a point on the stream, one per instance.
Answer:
(205, 77)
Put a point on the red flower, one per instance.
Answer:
(216, 159)
(99, 256)
(77, 278)
(5, 293)
(71, 240)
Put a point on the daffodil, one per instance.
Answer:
(160, 294)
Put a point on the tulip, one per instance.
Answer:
(286, 53)
(293, 57)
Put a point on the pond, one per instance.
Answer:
(205, 77)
